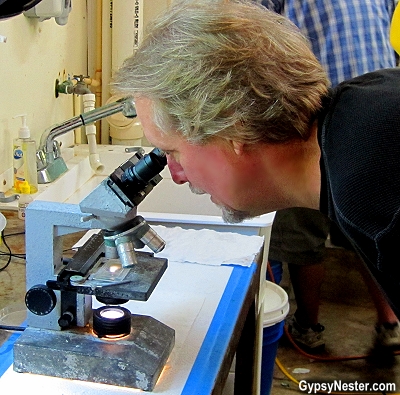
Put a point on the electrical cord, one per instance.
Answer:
(12, 328)
(19, 256)
(326, 359)
(9, 254)
(13, 255)
(15, 234)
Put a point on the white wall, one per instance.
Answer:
(34, 56)
(154, 9)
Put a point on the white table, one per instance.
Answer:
(213, 311)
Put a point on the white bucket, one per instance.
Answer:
(3, 223)
(275, 305)
(275, 310)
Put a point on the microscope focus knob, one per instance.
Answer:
(40, 299)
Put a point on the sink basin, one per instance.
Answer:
(168, 203)
(80, 179)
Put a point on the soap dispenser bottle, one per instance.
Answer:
(24, 157)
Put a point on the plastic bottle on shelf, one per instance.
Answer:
(24, 157)
(24, 199)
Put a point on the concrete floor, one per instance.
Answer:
(346, 311)
(349, 316)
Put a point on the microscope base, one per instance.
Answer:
(135, 361)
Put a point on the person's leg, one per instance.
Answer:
(307, 281)
(387, 326)
(298, 237)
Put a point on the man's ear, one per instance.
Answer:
(238, 147)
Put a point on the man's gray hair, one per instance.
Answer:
(231, 69)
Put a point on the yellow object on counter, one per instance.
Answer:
(395, 29)
(24, 199)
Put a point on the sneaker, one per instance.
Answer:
(388, 335)
(311, 338)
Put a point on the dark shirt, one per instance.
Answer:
(359, 135)
(274, 5)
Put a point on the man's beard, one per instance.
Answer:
(229, 215)
(232, 216)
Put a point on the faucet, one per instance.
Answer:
(50, 164)
(77, 85)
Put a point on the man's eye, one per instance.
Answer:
(169, 154)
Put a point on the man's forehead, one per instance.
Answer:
(164, 141)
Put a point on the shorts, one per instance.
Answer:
(298, 236)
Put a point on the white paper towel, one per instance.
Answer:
(204, 246)
(208, 247)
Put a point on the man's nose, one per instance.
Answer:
(177, 172)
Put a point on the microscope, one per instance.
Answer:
(65, 336)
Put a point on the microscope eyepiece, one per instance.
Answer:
(146, 168)
(135, 178)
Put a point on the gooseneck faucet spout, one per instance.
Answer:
(49, 162)
(125, 105)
